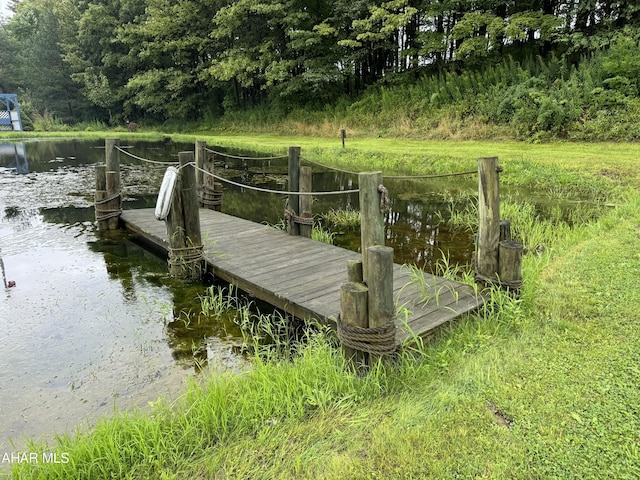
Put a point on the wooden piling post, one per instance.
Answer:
(353, 313)
(294, 186)
(210, 190)
(505, 230)
(510, 264)
(489, 217)
(113, 206)
(381, 308)
(354, 271)
(112, 156)
(101, 194)
(183, 224)
(306, 201)
(200, 160)
(343, 135)
(372, 217)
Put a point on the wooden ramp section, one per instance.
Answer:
(302, 276)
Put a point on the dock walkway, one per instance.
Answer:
(302, 276)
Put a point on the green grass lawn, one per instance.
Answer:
(543, 387)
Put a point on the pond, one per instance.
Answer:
(88, 321)
(93, 320)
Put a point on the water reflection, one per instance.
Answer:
(413, 227)
(14, 156)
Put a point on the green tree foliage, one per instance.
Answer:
(197, 59)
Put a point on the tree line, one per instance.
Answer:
(198, 59)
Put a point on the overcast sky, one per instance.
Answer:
(4, 8)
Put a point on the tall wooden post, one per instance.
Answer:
(101, 194)
(489, 217)
(306, 201)
(294, 186)
(200, 160)
(372, 217)
(183, 224)
(343, 135)
(380, 303)
(190, 198)
(113, 184)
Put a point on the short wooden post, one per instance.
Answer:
(101, 194)
(183, 224)
(294, 186)
(380, 300)
(372, 217)
(489, 217)
(505, 230)
(510, 264)
(353, 313)
(306, 201)
(343, 135)
(200, 160)
(354, 271)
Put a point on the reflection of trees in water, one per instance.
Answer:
(188, 333)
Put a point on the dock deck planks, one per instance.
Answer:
(302, 276)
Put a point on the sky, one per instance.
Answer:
(4, 8)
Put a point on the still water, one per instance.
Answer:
(89, 321)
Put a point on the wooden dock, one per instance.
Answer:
(302, 276)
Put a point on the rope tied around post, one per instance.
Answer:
(290, 216)
(186, 255)
(514, 285)
(385, 200)
(107, 213)
(378, 341)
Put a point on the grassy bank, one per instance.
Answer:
(542, 387)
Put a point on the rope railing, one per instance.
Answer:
(328, 166)
(438, 175)
(394, 177)
(121, 150)
(267, 190)
(238, 157)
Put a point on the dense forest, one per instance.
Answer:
(535, 68)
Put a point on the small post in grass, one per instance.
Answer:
(510, 264)
(293, 202)
(343, 135)
(489, 218)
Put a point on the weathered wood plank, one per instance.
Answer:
(302, 276)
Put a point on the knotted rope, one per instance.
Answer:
(378, 340)
(186, 255)
(107, 213)
(385, 201)
(291, 217)
(512, 285)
